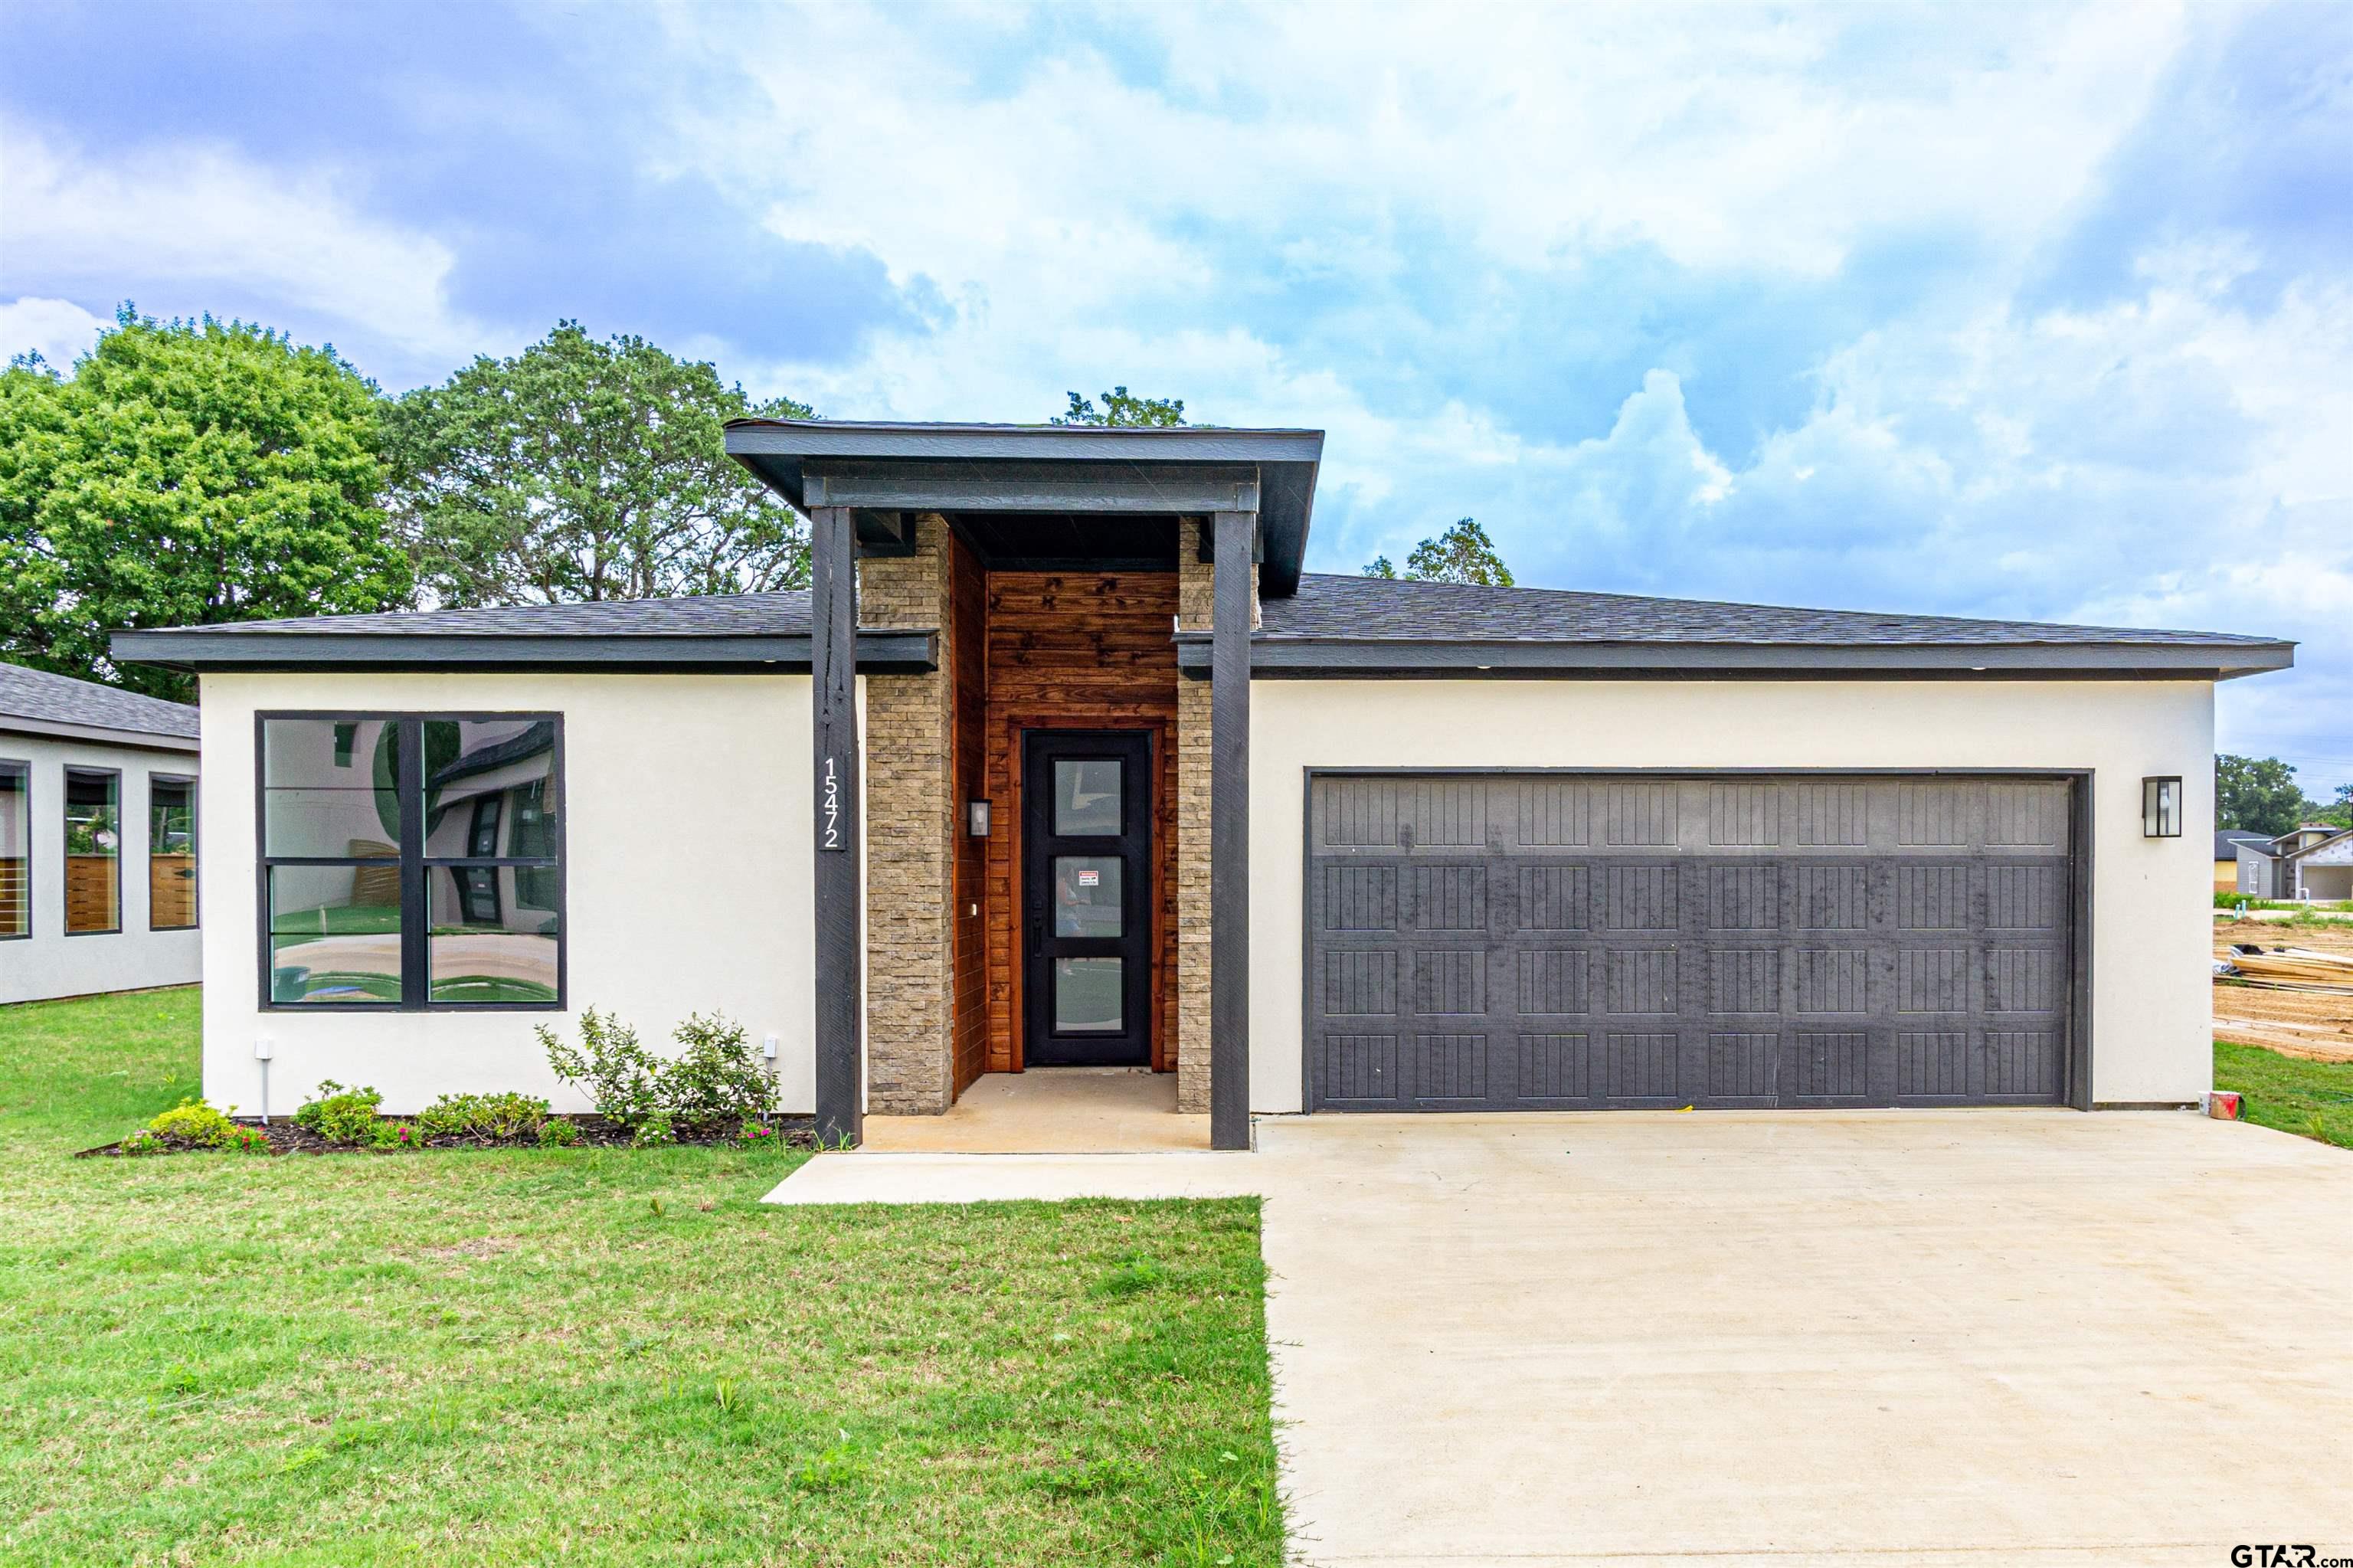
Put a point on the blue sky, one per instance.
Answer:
(2037, 312)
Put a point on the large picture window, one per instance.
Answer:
(170, 853)
(93, 850)
(15, 851)
(412, 860)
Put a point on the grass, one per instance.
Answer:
(2312, 1100)
(606, 1356)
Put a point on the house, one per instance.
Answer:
(2226, 856)
(2311, 861)
(1064, 759)
(98, 839)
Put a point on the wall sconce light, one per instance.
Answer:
(2160, 808)
(975, 817)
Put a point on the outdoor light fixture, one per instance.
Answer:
(2160, 808)
(975, 817)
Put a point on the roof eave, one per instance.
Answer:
(96, 734)
(881, 651)
(1373, 658)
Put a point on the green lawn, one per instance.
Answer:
(2314, 1099)
(604, 1356)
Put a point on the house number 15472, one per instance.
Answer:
(828, 809)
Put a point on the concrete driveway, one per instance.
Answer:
(1918, 1337)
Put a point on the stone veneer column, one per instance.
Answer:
(910, 838)
(1195, 588)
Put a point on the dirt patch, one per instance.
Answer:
(475, 1247)
(2316, 1026)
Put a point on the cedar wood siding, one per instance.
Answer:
(1076, 650)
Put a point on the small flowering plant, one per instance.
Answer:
(757, 1135)
(391, 1135)
(144, 1143)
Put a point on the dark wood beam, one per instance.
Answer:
(1229, 831)
(840, 925)
(913, 486)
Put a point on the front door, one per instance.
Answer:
(1086, 894)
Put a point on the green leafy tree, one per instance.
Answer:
(185, 473)
(580, 470)
(2257, 795)
(2339, 813)
(1463, 554)
(1120, 408)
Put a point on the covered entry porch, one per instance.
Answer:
(1032, 857)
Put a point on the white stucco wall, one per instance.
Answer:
(687, 872)
(2151, 917)
(50, 963)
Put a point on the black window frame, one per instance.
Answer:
(415, 866)
(196, 850)
(13, 767)
(65, 807)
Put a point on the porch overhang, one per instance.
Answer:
(1046, 496)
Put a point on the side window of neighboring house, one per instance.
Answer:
(397, 868)
(16, 850)
(170, 853)
(93, 822)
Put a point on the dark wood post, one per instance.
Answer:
(841, 896)
(1237, 538)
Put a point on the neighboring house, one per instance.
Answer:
(2314, 862)
(2226, 856)
(98, 839)
(1064, 761)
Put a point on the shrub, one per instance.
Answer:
(193, 1123)
(554, 1133)
(248, 1140)
(341, 1114)
(718, 1077)
(143, 1142)
(622, 1078)
(394, 1135)
(501, 1117)
(654, 1132)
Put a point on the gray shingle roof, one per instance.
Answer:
(2227, 841)
(1382, 608)
(781, 614)
(60, 699)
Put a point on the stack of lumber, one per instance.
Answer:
(2302, 969)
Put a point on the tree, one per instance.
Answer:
(2259, 796)
(186, 473)
(2338, 814)
(1120, 408)
(1463, 554)
(580, 470)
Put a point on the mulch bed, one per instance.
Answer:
(596, 1132)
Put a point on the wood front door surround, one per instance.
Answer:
(1087, 888)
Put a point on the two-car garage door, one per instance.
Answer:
(1552, 941)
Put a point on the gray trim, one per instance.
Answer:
(2075, 1090)
(1233, 590)
(1100, 443)
(889, 651)
(1076, 487)
(96, 735)
(837, 876)
(1366, 658)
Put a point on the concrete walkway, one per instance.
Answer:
(1918, 1337)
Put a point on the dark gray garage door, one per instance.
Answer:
(1545, 942)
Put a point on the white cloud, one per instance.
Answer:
(59, 331)
(206, 217)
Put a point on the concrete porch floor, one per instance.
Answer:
(1050, 1110)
